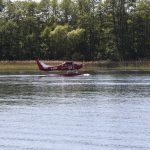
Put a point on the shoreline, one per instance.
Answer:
(90, 66)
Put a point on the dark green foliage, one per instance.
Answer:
(75, 30)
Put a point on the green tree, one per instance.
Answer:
(59, 39)
(142, 30)
(75, 40)
(82, 29)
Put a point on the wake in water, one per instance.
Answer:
(39, 75)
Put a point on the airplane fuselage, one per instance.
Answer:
(65, 66)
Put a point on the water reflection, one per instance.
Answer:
(105, 111)
(28, 88)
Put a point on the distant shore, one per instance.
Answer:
(91, 66)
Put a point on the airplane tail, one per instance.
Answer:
(41, 65)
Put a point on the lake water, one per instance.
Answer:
(107, 111)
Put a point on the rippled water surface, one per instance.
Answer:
(109, 111)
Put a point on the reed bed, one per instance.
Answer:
(92, 66)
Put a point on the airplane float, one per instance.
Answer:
(71, 67)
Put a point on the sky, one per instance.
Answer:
(23, 0)
(27, 0)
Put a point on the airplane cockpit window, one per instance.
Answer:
(68, 64)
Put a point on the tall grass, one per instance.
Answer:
(93, 66)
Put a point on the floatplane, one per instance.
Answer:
(69, 66)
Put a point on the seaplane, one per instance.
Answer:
(69, 66)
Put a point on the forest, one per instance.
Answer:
(86, 30)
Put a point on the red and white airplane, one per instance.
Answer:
(68, 66)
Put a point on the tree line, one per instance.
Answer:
(75, 30)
